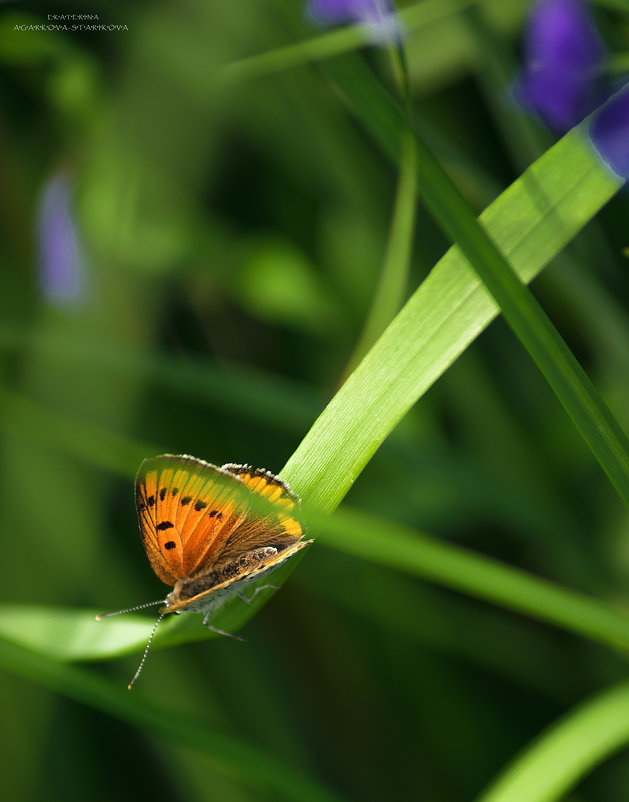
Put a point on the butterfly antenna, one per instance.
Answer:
(146, 651)
(129, 609)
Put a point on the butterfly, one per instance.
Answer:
(211, 531)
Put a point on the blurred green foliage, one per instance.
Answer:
(234, 214)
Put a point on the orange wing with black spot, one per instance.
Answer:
(194, 516)
(273, 489)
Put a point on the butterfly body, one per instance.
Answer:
(205, 592)
(211, 531)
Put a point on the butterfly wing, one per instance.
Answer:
(194, 516)
(273, 524)
(186, 509)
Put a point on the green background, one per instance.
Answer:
(236, 214)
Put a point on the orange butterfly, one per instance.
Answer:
(211, 531)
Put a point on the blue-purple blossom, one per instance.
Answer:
(331, 11)
(609, 131)
(377, 15)
(562, 82)
(562, 60)
(60, 264)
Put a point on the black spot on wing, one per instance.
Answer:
(150, 501)
(186, 500)
(165, 525)
(199, 505)
(170, 545)
(162, 493)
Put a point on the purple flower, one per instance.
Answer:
(563, 56)
(331, 11)
(60, 264)
(377, 15)
(609, 131)
(561, 81)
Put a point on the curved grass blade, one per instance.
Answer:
(498, 268)
(529, 322)
(530, 222)
(552, 765)
(454, 567)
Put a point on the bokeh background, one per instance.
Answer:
(189, 255)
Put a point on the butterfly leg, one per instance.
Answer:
(249, 599)
(220, 631)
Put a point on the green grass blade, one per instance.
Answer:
(570, 749)
(446, 564)
(249, 765)
(529, 322)
(530, 222)
(65, 635)
(486, 256)
(337, 42)
(69, 635)
(576, 393)
(393, 279)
